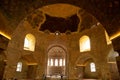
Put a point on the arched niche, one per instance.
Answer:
(21, 68)
(56, 61)
(86, 67)
(90, 70)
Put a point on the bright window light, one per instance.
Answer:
(29, 42)
(26, 45)
(56, 62)
(60, 62)
(51, 62)
(92, 67)
(19, 67)
(84, 43)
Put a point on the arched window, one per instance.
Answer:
(19, 67)
(92, 67)
(60, 62)
(51, 62)
(84, 43)
(29, 42)
(56, 62)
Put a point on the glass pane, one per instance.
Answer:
(56, 62)
(26, 43)
(84, 44)
(92, 67)
(60, 62)
(51, 62)
(29, 42)
(19, 67)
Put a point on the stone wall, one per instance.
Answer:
(99, 50)
(2, 67)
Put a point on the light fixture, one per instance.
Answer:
(115, 35)
(5, 35)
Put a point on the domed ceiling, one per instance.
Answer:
(60, 24)
(107, 12)
(62, 18)
(12, 12)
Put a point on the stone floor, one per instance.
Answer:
(53, 78)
